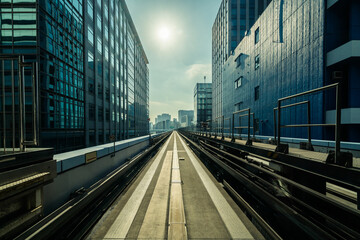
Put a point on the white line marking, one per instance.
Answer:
(122, 224)
(177, 222)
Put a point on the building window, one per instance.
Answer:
(257, 61)
(107, 94)
(238, 60)
(107, 115)
(90, 35)
(91, 111)
(106, 53)
(106, 11)
(238, 82)
(106, 32)
(257, 36)
(100, 91)
(99, 45)
(257, 93)
(100, 114)
(98, 21)
(91, 60)
(90, 9)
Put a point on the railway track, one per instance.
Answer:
(270, 193)
(75, 218)
(273, 198)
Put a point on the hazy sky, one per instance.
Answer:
(176, 36)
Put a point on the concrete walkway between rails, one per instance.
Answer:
(174, 197)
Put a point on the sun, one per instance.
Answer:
(164, 34)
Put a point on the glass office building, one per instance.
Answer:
(291, 50)
(202, 103)
(82, 70)
(233, 21)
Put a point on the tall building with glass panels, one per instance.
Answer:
(297, 46)
(232, 23)
(81, 68)
(202, 103)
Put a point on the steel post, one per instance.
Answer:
(21, 104)
(337, 125)
(308, 120)
(223, 122)
(3, 108)
(274, 124)
(249, 124)
(233, 128)
(278, 123)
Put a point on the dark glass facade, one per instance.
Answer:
(90, 67)
(202, 102)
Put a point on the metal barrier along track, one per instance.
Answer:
(290, 208)
(19, 83)
(74, 219)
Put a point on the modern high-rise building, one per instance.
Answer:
(202, 103)
(73, 73)
(296, 46)
(186, 117)
(233, 21)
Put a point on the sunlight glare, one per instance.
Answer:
(164, 34)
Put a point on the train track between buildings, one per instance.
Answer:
(272, 198)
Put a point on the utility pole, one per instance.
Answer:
(204, 79)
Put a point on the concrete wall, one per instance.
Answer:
(84, 175)
(290, 48)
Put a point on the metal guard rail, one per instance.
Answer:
(333, 157)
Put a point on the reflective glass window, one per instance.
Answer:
(98, 21)
(257, 93)
(106, 11)
(106, 53)
(99, 45)
(24, 37)
(24, 20)
(106, 30)
(90, 35)
(112, 59)
(91, 60)
(112, 40)
(256, 35)
(257, 61)
(112, 21)
(90, 9)
(6, 37)
(6, 20)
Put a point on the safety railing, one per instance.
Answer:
(209, 128)
(11, 110)
(247, 114)
(218, 126)
(307, 103)
(283, 148)
(225, 128)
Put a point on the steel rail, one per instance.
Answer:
(298, 223)
(326, 204)
(341, 228)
